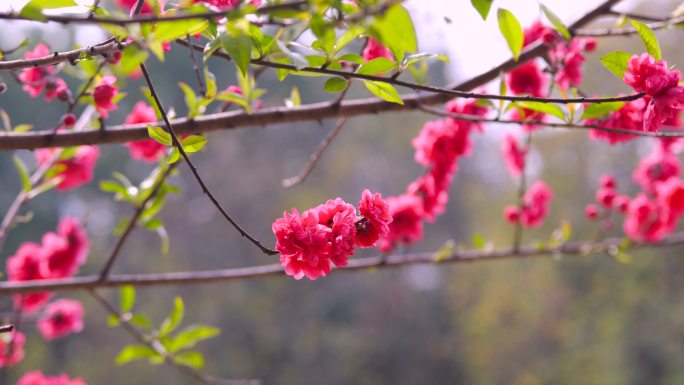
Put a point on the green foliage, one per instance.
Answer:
(135, 352)
(166, 31)
(395, 30)
(23, 173)
(599, 110)
(158, 134)
(556, 22)
(649, 39)
(616, 62)
(384, 91)
(546, 108)
(511, 30)
(482, 7)
(238, 44)
(174, 319)
(335, 84)
(34, 8)
(376, 66)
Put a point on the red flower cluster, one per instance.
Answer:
(568, 58)
(11, 348)
(75, 170)
(147, 150)
(629, 117)
(607, 199)
(37, 79)
(103, 95)
(645, 74)
(58, 256)
(60, 319)
(535, 206)
(38, 378)
(307, 243)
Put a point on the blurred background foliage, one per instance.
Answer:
(588, 320)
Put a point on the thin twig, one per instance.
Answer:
(195, 66)
(316, 156)
(133, 221)
(627, 30)
(205, 189)
(155, 345)
(102, 49)
(522, 187)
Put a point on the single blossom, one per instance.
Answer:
(528, 79)
(147, 150)
(569, 58)
(61, 318)
(24, 265)
(671, 195)
(591, 211)
(74, 171)
(648, 220)
(374, 50)
(11, 348)
(538, 31)
(34, 79)
(513, 155)
(103, 95)
(375, 221)
(655, 169)
(535, 204)
(65, 251)
(407, 221)
(340, 217)
(432, 189)
(303, 243)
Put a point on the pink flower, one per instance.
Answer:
(538, 31)
(340, 217)
(591, 211)
(37, 378)
(304, 244)
(374, 50)
(513, 155)
(66, 251)
(663, 108)
(74, 171)
(147, 150)
(569, 58)
(645, 74)
(407, 221)
(103, 93)
(512, 214)
(35, 78)
(535, 204)
(605, 196)
(376, 217)
(629, 117)
(621, 203)
(432, 188)
(24, 265)
(60, 319)
(130, 4)
(647, 221)
(528, 79)
(57, 88)
(656, 168)
(466, 107)
(11, 348)
(671, 195)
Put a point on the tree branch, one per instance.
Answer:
(103, 49)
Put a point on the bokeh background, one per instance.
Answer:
(588, 320)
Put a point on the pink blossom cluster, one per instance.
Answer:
(513, 154)
(310, 241)
(534, 208)
(653, 78)
(39, 78)
(61, 318)
(73, 171)
(103, 95)
(607, 200)
(59, 255)
(38, 378)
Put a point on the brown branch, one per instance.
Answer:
(609, 245)
(195, 67)
(155, 345)
(200, 181)
(627, 30)
(6, 328)
(316, 156)
(133, 221)
(103, 49)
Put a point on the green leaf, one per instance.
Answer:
(649, 38)
(165, 241)
(352, 33)
(141, 321)
(294, 100)
(445, 251)
(113, 321)
(335, 84)
(190, 99)
(174, 319)
(351, 57)
(383, 91)
(193, 143)
(379, 65)
(193, 359)
(395, 30)
(210, 79)
(131, 58)
(616, 62)
(158, 134)
(174, 156)
(174, 29)
(479, 241)
(34, 8)
(191, 335)
(420, 57)
(134, 352)
(239, 47)
(556, 22)
(546, 108)
(324, 33)
(126, 298)
(511, 31)
(482, 7)
(599, 110)
(23, 174)
(22, 128)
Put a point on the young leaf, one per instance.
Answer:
(325, 34)
(126, 298)
(352, 33)
(419, 57)
(599, 110)
(190, 99)
(193, 359)
(191, 335)
(134, 352)
(649, 39)
(174, 319)
(141, 321)
(482, 7)
(616, 62)
(239, 47)
(210, 79)
(34, 8)
(376, 66)
(556, 22)
(23, 174)
(384, 91)
(158, 134)
(193, 143)
(335, 84)
(395, 30)
(171, 30)
(546, 108)
(511, 31)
